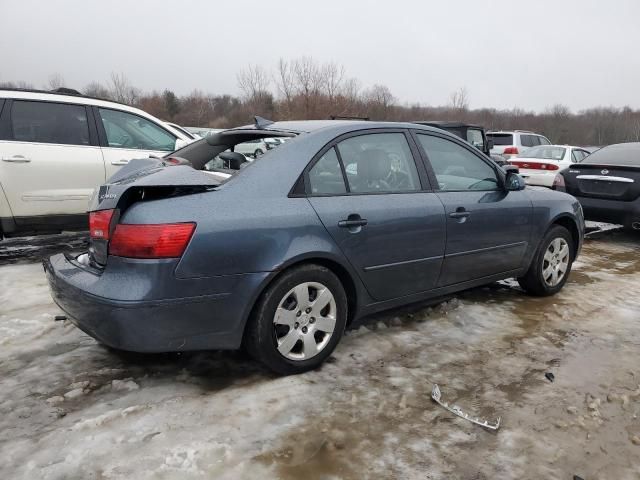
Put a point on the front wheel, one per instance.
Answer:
(257, 153)
(551, 264)
(298, 320)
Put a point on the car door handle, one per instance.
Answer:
(16, 159)
(352, 222)
(123, 161)
(459, 214)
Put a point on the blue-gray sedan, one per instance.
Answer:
(204, 249)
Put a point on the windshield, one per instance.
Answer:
(623, 154)
(545, 153)
(501, 138)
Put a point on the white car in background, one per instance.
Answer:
(255, 148)
(57, 147)
(512, 143)
(539, 165)
(202, 132)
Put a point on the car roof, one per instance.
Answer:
(309, 126)
(447, 124)
(67, 97)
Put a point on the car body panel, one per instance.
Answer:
(389, 253)
(492, 239)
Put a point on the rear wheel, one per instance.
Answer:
(551, 264)
(298, 320)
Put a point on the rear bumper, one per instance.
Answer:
(540, 179)
(213, 320)
(610, 211)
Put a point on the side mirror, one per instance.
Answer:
(233, 159)
(514, 182)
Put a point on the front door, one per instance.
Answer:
(386, 224)
(50, 162)
(488, 228)
(126, 136)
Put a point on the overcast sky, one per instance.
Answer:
(530, 54)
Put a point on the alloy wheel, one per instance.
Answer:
(555, 262)
(304, 321)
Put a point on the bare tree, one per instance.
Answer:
(97, 90)
(333, 76)
(55, 81)
(122, 91)
(459, 100)
(253, 81)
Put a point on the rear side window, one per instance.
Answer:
(528, 141)
(379, 162)
(126, 130)
(47, 122)
(325, 178)
(501, 138)
(544, 141)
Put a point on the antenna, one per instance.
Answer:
(261, 123)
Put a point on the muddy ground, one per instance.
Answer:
(70, 408)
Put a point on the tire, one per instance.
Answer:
(257, 153)
(550, 256)
(287, 347)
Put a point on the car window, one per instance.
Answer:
(501, 138)
(455, 167)
(545, 153)
(544, 141)
(326, 175)
(474, 137)
(46, 122)
(527, 140)
(576, 156)
(379, 162)
(126, 130)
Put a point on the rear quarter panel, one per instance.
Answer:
(235, 234)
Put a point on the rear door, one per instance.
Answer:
(125, 136)
(488, 228)
(50, 158)
(384, 217)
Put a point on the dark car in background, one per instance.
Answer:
(346, 219)
(607, 184)
(474, 134)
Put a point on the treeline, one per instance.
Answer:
(306, 89)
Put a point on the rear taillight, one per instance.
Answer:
(536, 165)
(558, 183)
(151, 241)
(511, 151)
(99, 224)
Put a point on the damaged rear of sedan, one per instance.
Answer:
(280, 254)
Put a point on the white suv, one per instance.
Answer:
(56, 148)
(512, 143)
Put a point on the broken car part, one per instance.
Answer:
(456, 410)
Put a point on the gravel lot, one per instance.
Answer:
(70, 408)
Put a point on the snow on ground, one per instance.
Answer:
(70, 408)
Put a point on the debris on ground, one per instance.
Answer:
(549, 376)
(456, 410)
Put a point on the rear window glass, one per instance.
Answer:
(624, 154)
(501, 138)
(546, 153)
